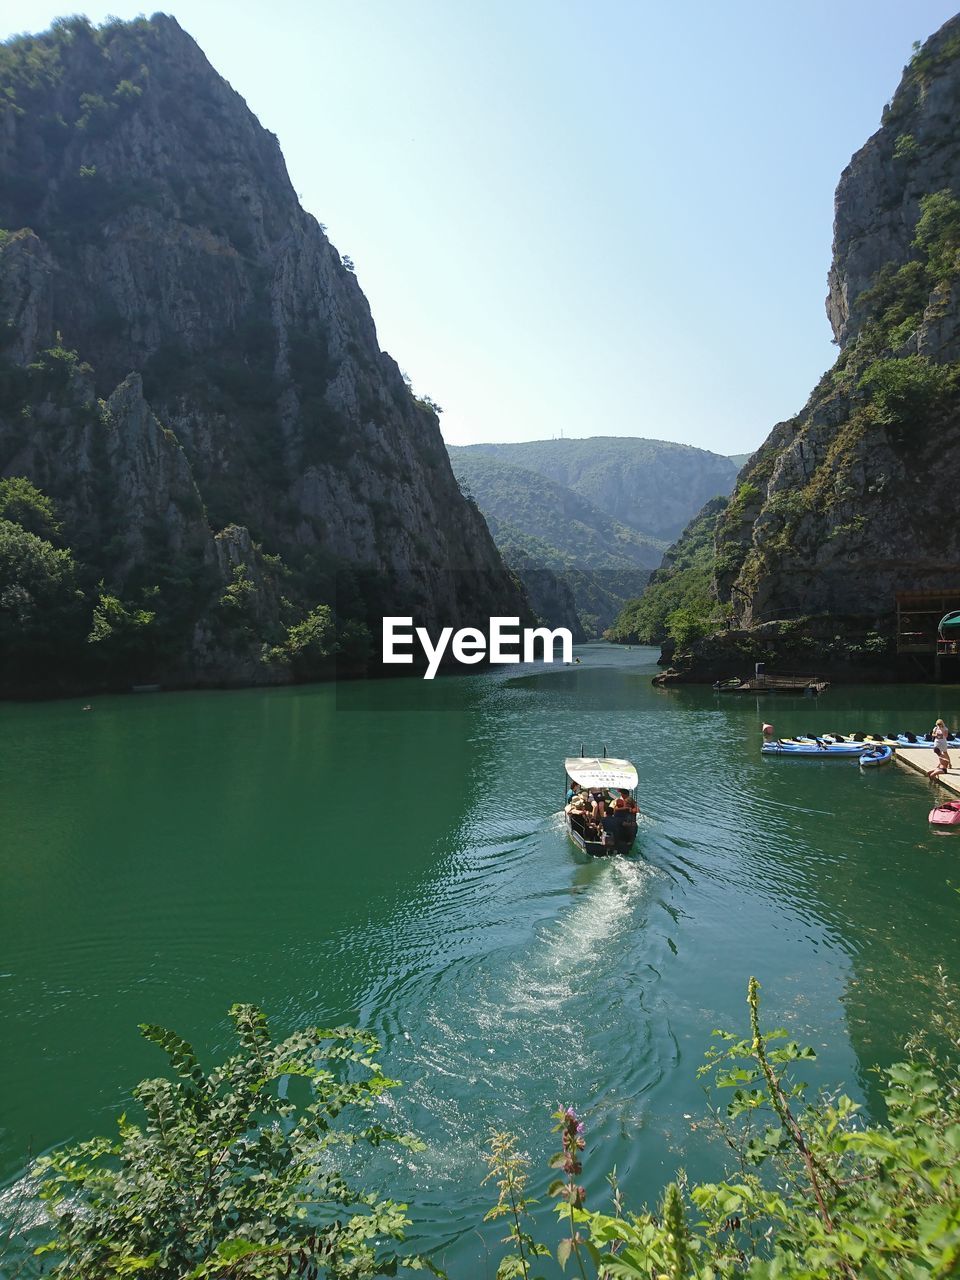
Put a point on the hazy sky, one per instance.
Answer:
(588, 218)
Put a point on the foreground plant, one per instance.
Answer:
(817, 1193)
(231, 1173)
(509, 1167)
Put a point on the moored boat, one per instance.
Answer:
(601, 775)
(946, 814)
(875, 756)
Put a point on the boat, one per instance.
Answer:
(873, 757)
(813, 750)
(599, 773)
(728, 685)
(946, 814)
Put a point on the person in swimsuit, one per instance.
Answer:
(940, 740)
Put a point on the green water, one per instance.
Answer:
(392, 854)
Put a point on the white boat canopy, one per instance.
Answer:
(592, 772)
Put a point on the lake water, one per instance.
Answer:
(391, 854)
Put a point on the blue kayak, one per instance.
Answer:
(875, 756)
(874, 739)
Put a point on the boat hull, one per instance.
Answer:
(875, 757)
(946, 815)
(596, 848)
(811, 751)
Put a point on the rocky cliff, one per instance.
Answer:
(851, 501)
(191, 373)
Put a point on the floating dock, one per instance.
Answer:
(810, 685)
(923, 759)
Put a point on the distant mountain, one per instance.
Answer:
(531, 504)
(652, 486)
(740, 459)
(537, 523)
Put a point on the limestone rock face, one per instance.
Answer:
(851, 501)
(156, 234)
(877, 205)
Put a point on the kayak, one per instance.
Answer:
(812, 750)
(876, 739)
(875, 756)
(945, 815)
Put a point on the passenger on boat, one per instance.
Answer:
(598, 798)
(627, 799)
(628, 819)
(620, 825)
(572, 791)
(608, 828)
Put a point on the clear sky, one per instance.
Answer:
(589, 218)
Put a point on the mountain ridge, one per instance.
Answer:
(653, 486)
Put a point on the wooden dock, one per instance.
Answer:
(922, 759)
(812, 685)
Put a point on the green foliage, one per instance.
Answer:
(231, 1173)
(905, 147)
(931, 57)
(38, 82)
(309, 645)
(22, 503)
(118, 627)
(508, 1168)
(896, 299)
(895, 302)
(685, 625)
(95, 113)
(816, 1192)
(746, 495)
(128, 92)
(240, 593)
(38, 598)
(683, 586)
(905, 391)
(938, 234)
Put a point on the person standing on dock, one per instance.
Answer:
(940, 739)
